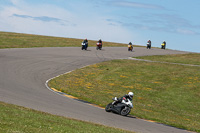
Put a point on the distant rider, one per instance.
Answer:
(100, 41)
(163, 45)
(130, 46)
(149, 44)
(86, 42)
(125, 97)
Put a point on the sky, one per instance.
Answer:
(175, 21)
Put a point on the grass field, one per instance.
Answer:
(165, 93)
(16, 40)
(15, 119)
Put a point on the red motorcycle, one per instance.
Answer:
(99, 46)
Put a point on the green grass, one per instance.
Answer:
(179, 58)
(165, 93)
(17, 40)
(15, 119)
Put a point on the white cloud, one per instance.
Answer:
(186, 32)
(137, 5)
(15, 2)
(25, 18)
(31, 19)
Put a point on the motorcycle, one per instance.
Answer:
(130, 48)
(84, 46)
(148, 46)
(99, 46)
(162, 46)
(123, 108)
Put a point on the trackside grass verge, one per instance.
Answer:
(15, 119)
(165, 93)
(193, 59)
(17, 40)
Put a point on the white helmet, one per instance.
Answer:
(130, 94)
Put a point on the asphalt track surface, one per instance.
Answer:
(24, 71)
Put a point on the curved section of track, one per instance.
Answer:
(23, 73)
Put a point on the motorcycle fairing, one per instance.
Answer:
(117, 108)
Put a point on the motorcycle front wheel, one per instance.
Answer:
(108, 107)
(125, 111)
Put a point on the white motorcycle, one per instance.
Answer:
(122, 108)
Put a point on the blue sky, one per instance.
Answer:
(175, 21)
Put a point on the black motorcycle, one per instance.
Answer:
(123, 108)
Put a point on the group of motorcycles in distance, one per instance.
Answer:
(130, 45)
(85, 45)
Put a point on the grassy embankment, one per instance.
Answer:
(15, 119)
(166, 93)
(193, 59)
(16, 40)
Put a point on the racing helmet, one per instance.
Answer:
(130, 94)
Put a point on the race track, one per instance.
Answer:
(23, 73)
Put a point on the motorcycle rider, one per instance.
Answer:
(125, 97)
(100, 41)
(163, 45)
(149, 44)
(130, 46)
(86, 42)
